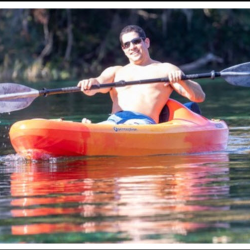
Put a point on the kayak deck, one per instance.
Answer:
(185, 132)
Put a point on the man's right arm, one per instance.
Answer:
(107, 76)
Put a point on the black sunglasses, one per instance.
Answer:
(135, 41)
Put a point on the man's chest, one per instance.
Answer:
(139, 73)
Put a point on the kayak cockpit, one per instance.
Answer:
(174, 110)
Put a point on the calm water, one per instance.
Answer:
(202, 198)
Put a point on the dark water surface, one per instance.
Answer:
(202, 198)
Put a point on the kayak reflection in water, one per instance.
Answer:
(161, 195)
(143, 103)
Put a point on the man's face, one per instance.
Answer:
(134, 46)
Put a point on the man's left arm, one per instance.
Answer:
(189, 89)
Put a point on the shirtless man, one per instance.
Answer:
(140, 104)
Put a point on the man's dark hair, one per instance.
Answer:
(131, 28)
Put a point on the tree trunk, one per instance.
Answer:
(201, 62)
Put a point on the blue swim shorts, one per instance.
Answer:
(129, 117)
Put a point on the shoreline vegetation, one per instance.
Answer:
(69, 44)
(38, 72)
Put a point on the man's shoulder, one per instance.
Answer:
(113, 69)
(122, 68)
(169, 65)
(162, 65)
(116, 67)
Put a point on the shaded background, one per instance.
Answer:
(68, 44)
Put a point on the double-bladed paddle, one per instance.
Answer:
(15, 96)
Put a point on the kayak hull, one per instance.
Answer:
(186, 132)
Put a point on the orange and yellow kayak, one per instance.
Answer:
(185, 132)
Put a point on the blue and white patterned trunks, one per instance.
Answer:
(129, 117)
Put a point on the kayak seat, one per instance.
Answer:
(193, 106)
(166, 115)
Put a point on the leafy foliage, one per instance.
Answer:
(59, 44)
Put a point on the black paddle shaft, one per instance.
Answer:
(16, 96)
(46, 92)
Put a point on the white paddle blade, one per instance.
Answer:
(15, 104)
(238, 75)
(15, 97)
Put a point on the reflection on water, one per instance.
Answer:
(137, 199)
(239, 140)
